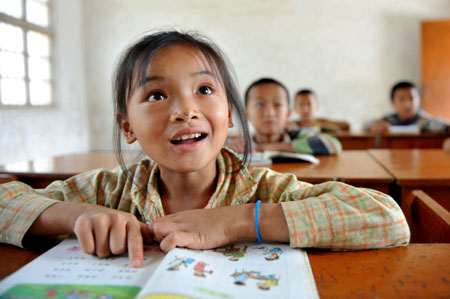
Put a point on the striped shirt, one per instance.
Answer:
(328, 215)
(309, 141)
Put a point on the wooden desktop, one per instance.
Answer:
(353, 167)
(418, 270)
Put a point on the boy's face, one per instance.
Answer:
(267, 108)
(305, 106)
(406, 102)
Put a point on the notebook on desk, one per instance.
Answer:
(269, 157)
(242, 270)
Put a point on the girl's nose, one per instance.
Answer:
(184, 109)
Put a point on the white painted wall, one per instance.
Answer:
(349, 51)
(40, 132)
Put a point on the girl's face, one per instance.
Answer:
(181, 115)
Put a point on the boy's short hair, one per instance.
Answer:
(307, 91)
(266, 81)
(401, 84)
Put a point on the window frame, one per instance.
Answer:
(49, 32)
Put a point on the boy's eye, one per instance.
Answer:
(205, 90)
(156, 96)
(259, 105)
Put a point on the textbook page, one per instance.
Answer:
(66, 272)
(243, 270)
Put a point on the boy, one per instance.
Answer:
(267, 108)
(306, 105)
(405, 99)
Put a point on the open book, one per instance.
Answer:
(269, 157)
(243, 270)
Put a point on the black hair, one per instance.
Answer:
(134, 62)
(307, 91)
(266, 81)
(401, 84)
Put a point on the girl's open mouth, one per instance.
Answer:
(188, 138)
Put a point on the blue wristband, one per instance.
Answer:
(257, 221)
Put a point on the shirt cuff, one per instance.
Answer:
(18, 222)
(308, 223)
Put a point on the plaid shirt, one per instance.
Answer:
(327, 215)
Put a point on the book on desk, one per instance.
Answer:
(269, 157)
(242, 270)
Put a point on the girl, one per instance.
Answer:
(175, 96)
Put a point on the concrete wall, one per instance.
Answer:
(350, 52)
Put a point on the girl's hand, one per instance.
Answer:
(204, 228)
(104, 231)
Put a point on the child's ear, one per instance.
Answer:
(126, 129)
(230, 117)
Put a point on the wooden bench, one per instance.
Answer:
(429, 222)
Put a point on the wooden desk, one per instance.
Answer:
(353, 167)
(39, 173)
(356, 167)
(356, 141)
(352, 141)
(419, 270)
(426, 169)
(409, 141)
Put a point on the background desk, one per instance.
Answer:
(419, 270)
(39, 173)
(426, 169)
(352, 141)
(354, 167)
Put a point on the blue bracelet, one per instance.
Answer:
(257, 221)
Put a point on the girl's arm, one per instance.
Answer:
(329, 215)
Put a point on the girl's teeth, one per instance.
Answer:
(189, 136)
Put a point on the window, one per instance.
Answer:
(25, 53)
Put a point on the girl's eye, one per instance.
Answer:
(205, 90)
(156, 96)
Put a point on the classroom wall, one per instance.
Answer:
(349, 51)
(29, 133)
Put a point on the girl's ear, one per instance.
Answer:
(126, 129)
(230, 117)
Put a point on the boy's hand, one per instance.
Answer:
(379, 127)
(104, 231)
(204, 228)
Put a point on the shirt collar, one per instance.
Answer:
(234, 185)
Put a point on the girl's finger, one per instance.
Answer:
(146, 234)
(180, 239)
(101, 236)
(118, 238)
(83, 231)
(135, 245)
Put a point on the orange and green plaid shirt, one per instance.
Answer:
(327, 215)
